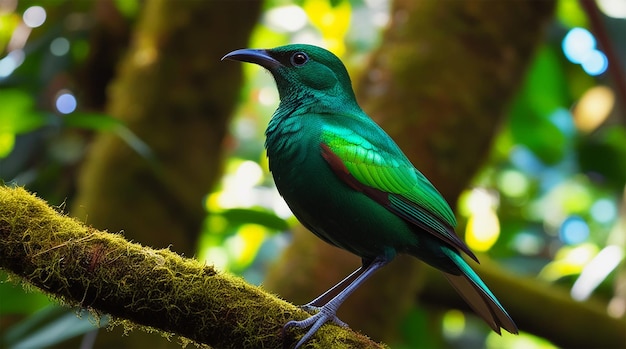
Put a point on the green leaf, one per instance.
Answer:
(416, 329)
(15, 300)
(544, 92)
(536, 132)
(50, 326)
(129, 8)
(102, 122)
(605, 154)
(17, 113)
(571, 14)
(546, 84)
(7, 142)
(238, 216)
(92, 121)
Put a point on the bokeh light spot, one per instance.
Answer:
(60, 46)
(453, 323)
(528, 243)
(524, 159)
(9, 63)
(562, 118)
(595, 63)
(288, 18)
(593, 108)
(513, 183)
(577, 44)
(268, 96)
(574, 230)
(603, 211)
(613, 8)
(217, 256)
(34, 16)
(66, 103)
(482, 231)
(249, 173)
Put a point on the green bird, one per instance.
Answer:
(350, 184)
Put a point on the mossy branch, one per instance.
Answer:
(156, 289)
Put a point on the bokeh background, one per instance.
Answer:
(121, 113)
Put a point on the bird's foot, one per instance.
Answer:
(316, 321)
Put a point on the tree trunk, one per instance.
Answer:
(171, 91)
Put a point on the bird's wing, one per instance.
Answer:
(388, 177)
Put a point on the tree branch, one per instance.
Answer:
(154, 288)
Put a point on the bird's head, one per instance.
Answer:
(301, 70)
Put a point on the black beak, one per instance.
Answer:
(260, 57)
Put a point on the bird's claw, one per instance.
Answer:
(313, 323)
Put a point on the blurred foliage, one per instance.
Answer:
(546, 203)
(51, 326)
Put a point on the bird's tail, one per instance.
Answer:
(478, 296)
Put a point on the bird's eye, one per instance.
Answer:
(299, 58)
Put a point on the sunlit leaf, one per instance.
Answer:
(523, 340)
(571, 14)
(596, 271)
(568, 261)
(245, 245)
(129, 8)
(9, 21)
(264, 218)
(332, 20)
(263, 37)
(7, 142)
(17, 113)
(573, 196)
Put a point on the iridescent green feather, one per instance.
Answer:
(388, 170)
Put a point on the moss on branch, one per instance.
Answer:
(156, 289)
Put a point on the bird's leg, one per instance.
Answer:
(328, 311)
(333, 291)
